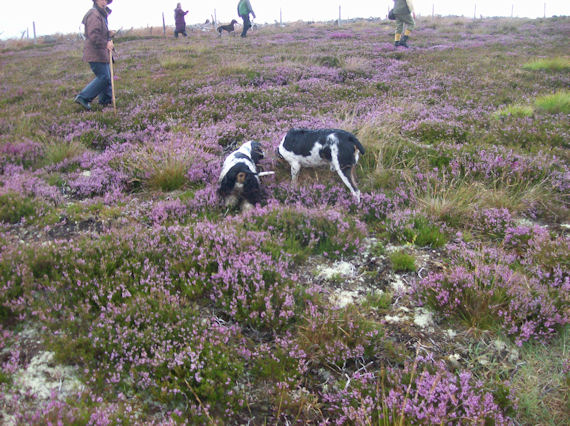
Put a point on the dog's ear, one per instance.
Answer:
(251, 189)
(226, 186)
(256, 152)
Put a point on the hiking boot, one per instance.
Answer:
(396, 43)
(82, 102)
(404, 41)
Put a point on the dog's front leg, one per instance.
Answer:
(295, 169)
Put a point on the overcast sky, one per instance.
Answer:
(64, 16)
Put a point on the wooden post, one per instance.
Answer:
(339, 15)
(215, 19)
(544, 10)
(27, 33)
(512, 10)
(163, 26)
(475, 12)
(112, 82)
(34, 24)
(432, 10)
(280, 16)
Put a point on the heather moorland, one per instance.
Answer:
(130, 295)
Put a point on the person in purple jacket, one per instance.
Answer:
(96, 51)
(179, 21)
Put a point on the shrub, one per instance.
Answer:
(425, 392)
(492, 222)
(434, 131)
(334, 336)
(408, 226)
(23, 154)
(490, 289)
(14, 207)
(301, 232)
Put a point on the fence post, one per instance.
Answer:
(215, 18)
(280, 16)
(432, 10)
(339, 15)
(512, 10)
(475, 12)
(163, 26)
(544, 10)
(34, 24)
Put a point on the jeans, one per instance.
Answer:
(100, 85)
(246, 24)
(183, 32)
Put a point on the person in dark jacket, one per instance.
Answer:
(403, 11)
(96, 51)
(179, 21)
(244, 9)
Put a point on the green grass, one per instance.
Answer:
(56, 152)
(402, 261)
(549, 64)
(542, 383)
(424, 233)
(558, 102)
(516, 111)
(378, 300)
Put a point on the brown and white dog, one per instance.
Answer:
(229, 28)
(239, 179)
(336, 148)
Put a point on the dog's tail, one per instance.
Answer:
(356, 143)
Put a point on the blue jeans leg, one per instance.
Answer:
(100, 85)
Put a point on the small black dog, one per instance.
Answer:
(229, 28)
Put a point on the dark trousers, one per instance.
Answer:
(101, 84)
(182, 31)
(246, 24)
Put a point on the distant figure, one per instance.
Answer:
(180, 21)
(403, 11)
(96, 51)
(244, 9)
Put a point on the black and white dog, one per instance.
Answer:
(239, 179)
(229, 28)
(314, 148)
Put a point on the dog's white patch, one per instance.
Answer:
(232, 160)
(314, 159)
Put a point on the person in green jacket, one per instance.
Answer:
(405, 15)
(244, 9)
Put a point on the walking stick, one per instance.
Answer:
(112, 81)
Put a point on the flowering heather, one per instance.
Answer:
(492, 221)
(116, 249)
(425, 392)
(24, 153)
(491, 288)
